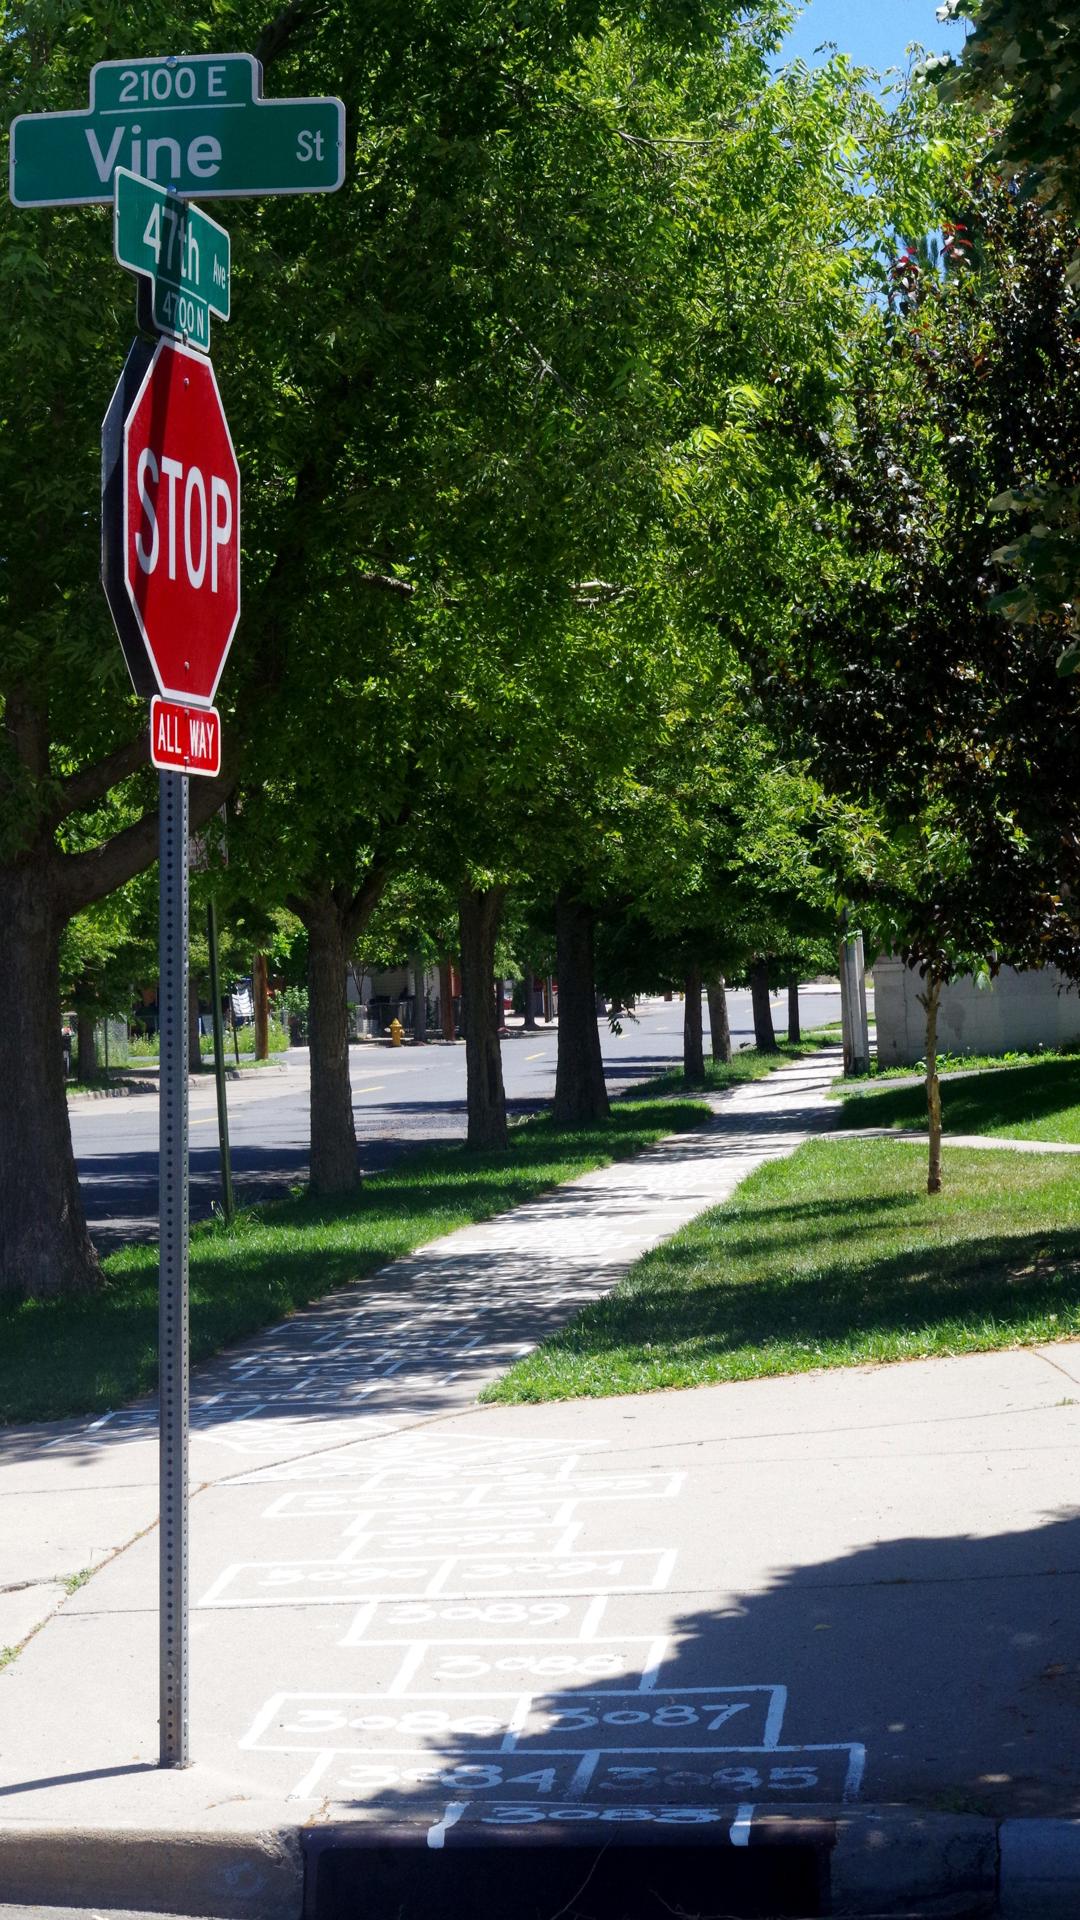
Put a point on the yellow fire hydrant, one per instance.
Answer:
(397, 1033)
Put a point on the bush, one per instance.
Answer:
(147, 1046)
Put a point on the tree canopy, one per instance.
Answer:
(526, 418)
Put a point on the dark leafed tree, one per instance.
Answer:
(913, 697)
(1020, 66)
(475, 380)
(77, 808)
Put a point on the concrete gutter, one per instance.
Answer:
(228, 1876)
(147, 1079)
(1039, 1865)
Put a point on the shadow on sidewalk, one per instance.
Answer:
(940, 1673)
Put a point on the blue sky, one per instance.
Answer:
(874, 32)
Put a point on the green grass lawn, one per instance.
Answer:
(747, 1065)
(1039, 1101)
(833, 1258)
(85, 1355)
(970, 1063)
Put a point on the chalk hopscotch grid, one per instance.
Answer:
(434, 1575)
(524, 1705)
(402, 1483)
(487, 1613)
(582, 1491)
(482, 1770)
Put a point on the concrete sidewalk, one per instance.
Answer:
(417, 1339)
(988, 1142)
(850, 1597)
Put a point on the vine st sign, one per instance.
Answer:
(197, 124)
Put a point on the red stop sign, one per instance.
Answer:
(182, 523)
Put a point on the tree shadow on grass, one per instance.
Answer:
(95, 1352)
(976, 1102)
(679, 1311)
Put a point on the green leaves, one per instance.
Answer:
(913, 698)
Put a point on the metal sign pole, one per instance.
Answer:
(173, 1288)
(219, 1063)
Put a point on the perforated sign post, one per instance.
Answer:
(172, 575)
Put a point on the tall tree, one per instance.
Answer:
(77, 813)
(499, 374)
(1020, 68)
(915, 700)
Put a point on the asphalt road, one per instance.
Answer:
(402, 1098)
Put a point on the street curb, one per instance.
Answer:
(898, 1861)
(124, 1091)
(152, 1083)
(230, 1877)
(1040, 1869)
(884, 1863)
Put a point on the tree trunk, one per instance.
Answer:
(719, 1025)
(931, 1000)
(693, 1049)
(260, 995)
(86, 1061)
(194, 1047)
(530, 1009)
(479, 911)
(44, 1245)
(764, 1036)
(580, 1093)
(333, 1136)
(419, 1029)
(794, 1031)
(446, 998)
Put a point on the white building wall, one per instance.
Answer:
(1015, 1011)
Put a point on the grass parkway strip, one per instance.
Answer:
(93, 1352)
(833, 1258)
(1036, 1101)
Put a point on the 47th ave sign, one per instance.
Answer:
(197, 124)
(181, 253)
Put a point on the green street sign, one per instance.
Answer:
(197, 124)
(182, 252)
